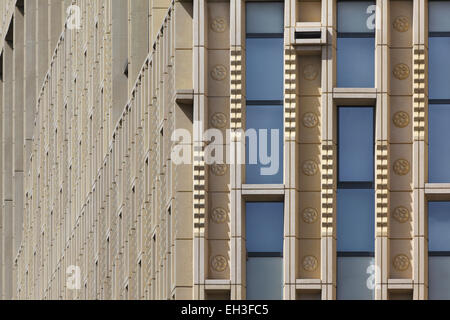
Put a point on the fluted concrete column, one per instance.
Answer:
(7, 167)
(138, 40)
(18, 133)
(119, 57)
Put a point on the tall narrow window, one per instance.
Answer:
(439, 93)
(439, 250)
(264, 89)
(356, 44)
(264, 243)
(355, 202)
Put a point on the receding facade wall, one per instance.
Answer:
(93, 205)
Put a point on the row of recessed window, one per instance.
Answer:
(264, 77)
(355, 68)
(355, 206)
(264, 220)
(355, 194)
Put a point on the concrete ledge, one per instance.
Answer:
(400, 284)
(437, 191)
(355, 96)
(263, 192)
(217, 284)
(184, 96)
(308, 284)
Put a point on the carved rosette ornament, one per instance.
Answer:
(219, 263)
(401, 71)
(401, 262)
(218, 24)
(310, 120)
(218, 215)
(310, 215)
(310, 167)
(219, 72)
(401, 214)
(309, 263)
(219, 169)
(310, 72)
(400, 119)
(401, 167)
(401, 24)
(219, 120)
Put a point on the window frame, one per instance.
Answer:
(434, 253)
(355, 184)
(264, 102)
(431, 101)
(354, 35)
(264, 254)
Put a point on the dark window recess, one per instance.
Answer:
(125, 71)
(308, 35)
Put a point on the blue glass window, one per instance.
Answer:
(352, 275)
(264, 227)
(265, 278)
(356, 144)
(439, 226)
(264, 148)
(356, 44)
(356, 220)
(439, 278)
(439, 67)
(438, 13)
(264, 92)
(265, 17)
(264, 62)
(356, 16)
(438, 92)
(356, 62)
(264, 234)
(439, 250)
(439, 143)
(355, 202)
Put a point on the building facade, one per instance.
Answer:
(225, 149)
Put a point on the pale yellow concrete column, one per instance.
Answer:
(18, 131)
(328, 154)
(120, 61)
(200, 169)
(420, 149)
(237, 170)
(30, 78)
(7, 166)
(290, 158)
(382, 116)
